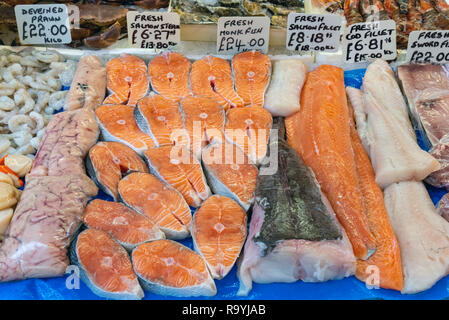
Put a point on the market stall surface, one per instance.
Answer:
(68, 288)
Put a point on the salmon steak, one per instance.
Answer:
(117, 123)
(219, 232)
(249, 128)
(105, 266)
(126, 226)
(230, 173)
(212, 77)
(204, 120)
(161, 119)
(169, 75)
(320, 133)
(127, 80)
(387, 258)
(168, 268)
(108, 161)
(179, 168)
(252, 71)
(160, 202)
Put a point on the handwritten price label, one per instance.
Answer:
(153, 30)
(370, 40)
(43, 24)
(428, 47)
(313, 32)
(238, 34)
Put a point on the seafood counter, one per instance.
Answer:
(208, 177)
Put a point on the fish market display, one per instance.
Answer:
(249, 128)
(204, 120)
(169, 75)
(422, 234)
(212, 77)
(160, 202)
(169, 268)
(324, 6)
(443, 207)
(126, 226)
(30, 91)
(178, 167)
(293, 232)
(230, 173)
(387, 258)
(127, 80)
(251, 70)
(66, 141)
(105, 266)
(283, 95)
(351, 11)
(88, 86)
(389, 137)
(35, 247)
(108, 162)
(398, 14)
(117, 123)
(219, 232)
(320, 133)
(427, 91)
(161, 119)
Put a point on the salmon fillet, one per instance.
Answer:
(204, 121)
(160, 202)
(320, 133)
(169, 75)
(127, 80)
(387, 258)
(251, 71)
(249, 128)
(219, 231)
(117, 123)
(179, 168)
(212, 77)
(161, 119)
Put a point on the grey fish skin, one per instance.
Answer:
(291, 200)
(143, 124)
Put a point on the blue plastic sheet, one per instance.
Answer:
(349, 288)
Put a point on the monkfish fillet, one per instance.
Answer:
(422, 233)
(293, 232)
(386, 131)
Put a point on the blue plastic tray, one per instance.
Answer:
(349, 288)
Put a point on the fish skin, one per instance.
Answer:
(127, 80)
(234, 178)
(128, 132)
(252, 71)
(283, 95)
(212, 77)
(219, 250)
(172, 215)
(422, 233)
(320, 133)
(135, 293)
(204, 287)
(115, 218)
(192, 184)
(125, 153)
(169, 75)
(161, 119)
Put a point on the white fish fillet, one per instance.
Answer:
(422, 233)
(386, 131)
(293, 260)
(283, 95)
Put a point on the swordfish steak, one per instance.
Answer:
(293, 232)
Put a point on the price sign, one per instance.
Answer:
(43, 24)
(313, 32)
(370, 40)
(153, 30)
(428, 47)
(238, 34)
